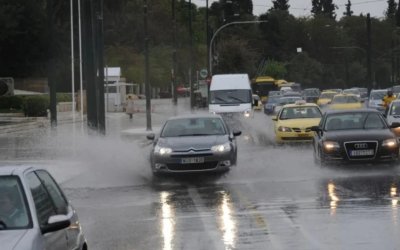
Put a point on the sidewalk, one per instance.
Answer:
(116, 122)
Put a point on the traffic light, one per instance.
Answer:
(6, 86)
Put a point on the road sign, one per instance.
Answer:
(203, 73)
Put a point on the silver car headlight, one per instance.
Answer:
(162, 150)
(390, 143)
(221, 148)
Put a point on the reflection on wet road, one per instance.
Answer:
(276, 198)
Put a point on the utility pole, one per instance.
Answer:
(89, 60)
(146, 68)
(173, 73)
(191, 55)
(51, 62)
(207, 36)
(100, 70)
(369, 53)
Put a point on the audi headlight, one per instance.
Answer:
(390, 143)
(284, 129)
(221, 148)
(330, 145)
(162, 150)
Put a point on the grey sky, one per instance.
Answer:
(303, 7)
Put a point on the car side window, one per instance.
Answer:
(54, 191)
(43, 203)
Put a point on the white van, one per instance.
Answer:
(231, 93)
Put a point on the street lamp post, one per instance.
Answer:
(218, 30)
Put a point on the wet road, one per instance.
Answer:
(276, 198)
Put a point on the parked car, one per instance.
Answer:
(193, 143)
(35, 213)
(355, 136)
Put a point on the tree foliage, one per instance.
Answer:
(391, 9)
(348, 11)
(324, 8)
(238, 48)
(281, 5)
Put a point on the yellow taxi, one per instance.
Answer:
(346, 101)
(294, 121)
(325, 97)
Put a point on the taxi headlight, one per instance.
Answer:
(330, 145)
(390, 143)
(221, 148)
(284, 129)
(162, 150)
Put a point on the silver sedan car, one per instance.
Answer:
(193, 143)
(34, 212)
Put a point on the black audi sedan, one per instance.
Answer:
(355, 136)
(193, 143)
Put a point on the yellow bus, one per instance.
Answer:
(262, 85)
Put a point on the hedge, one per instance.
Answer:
(31, 105)
(36, 105)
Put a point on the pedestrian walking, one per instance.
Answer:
(129, 107)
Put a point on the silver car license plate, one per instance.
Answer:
(192, 160)
(364, 152)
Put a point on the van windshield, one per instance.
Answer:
(230, 96)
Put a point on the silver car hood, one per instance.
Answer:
(192, 142)
(14, 239)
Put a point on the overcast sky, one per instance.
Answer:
(303, 7)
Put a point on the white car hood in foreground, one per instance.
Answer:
(17, 240)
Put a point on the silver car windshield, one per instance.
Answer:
(13, 209)
(193, 127)
(354, 121)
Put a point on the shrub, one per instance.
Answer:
(11, 103)
(64, 97)
(36, 105)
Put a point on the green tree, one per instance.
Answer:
(306, 70)
(390, 12)
(22, 38)
(316, 7)
(397, 15)
(275, 69)
(348, 11)
(323, 7)
(281, 5)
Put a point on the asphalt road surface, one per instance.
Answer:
(276, 198)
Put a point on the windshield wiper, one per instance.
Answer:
(236, 98)
(219, 98)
